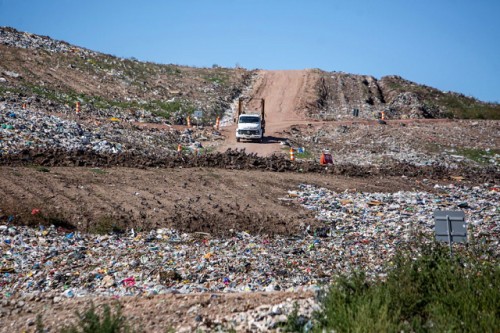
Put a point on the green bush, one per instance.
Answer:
(91, 321)
(432, 293)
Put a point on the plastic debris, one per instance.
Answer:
(361, 230)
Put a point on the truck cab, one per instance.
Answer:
(250, 127)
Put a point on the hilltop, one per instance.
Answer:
(53, 75)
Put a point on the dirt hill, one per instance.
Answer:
(54, 74)
(340, 93)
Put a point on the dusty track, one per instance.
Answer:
(286, 94)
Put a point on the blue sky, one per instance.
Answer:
(453, 45)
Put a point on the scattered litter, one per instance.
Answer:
(361, 231)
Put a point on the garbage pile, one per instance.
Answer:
(370, 226)
(12, 37)
(21, 128)
(361, 231)
(420, 144)
(410, 105)
(267, 317)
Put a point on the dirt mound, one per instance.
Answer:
(338, 94)
(239, 160)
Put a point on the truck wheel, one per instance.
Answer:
(237, 139)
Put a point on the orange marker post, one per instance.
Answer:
(188, 119)
(292, 154)
(217, 123)
(77, 110)
(179, 148)
(383, 115)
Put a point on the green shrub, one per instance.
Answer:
(295, 322)
(478, 155)
(432, 293)
(91, 321)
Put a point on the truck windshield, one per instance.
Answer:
(248, 119)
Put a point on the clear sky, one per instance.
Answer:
(453, 45)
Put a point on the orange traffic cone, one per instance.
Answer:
(292, 154)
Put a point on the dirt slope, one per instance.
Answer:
(191, 200)
(286, 95)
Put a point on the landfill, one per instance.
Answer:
(357, 230)
(419, 143)
(12, 37)
(361, 231)
(22, 129)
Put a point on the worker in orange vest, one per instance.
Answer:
(326, 158)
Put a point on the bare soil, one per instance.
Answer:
(209, 200)
(164, 313)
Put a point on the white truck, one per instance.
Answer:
(251, 126)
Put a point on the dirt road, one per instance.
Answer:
(286, 93)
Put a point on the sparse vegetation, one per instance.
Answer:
(42, 169)
(478, 155)
(116, 85)
(451, 105)
(430, 293)
(305, 154)
(217, 76)
(105, 321)
(98, 171)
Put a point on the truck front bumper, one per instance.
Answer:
(248, 134)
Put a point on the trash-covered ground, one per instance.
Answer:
(448, 146)
(358, 230)
(101, 206)
(420, 143)
(26, 40)
(27, 129)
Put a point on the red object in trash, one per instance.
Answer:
(129, 282)
(35, 211)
